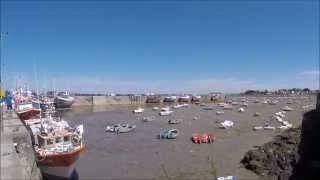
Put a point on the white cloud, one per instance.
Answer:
(310, 73)
(100, 84)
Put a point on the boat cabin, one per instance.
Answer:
(54, 139)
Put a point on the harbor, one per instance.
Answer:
(159, 90)
(141, 154)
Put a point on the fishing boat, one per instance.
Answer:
(168, 133)
(120, 128)
(26, 110)
(175, 121)
(57, 146)
(63, 100)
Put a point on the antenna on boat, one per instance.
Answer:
(37, 90)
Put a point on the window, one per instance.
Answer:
(41, 142)
(49, 141)
(66, 138)
(58, 139)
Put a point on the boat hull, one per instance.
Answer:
(63, 102)
(59, 165)
(28, 114)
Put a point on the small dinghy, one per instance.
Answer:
(138, 110)
(256, 128)
(221, 104)
(244, 104)
(219, 112)
(228, 107)
(165, 113)
(120, 128)
(175, 121)
(177, 106)
(148, 119)
(256, 114)
(168, 133)
(196, 118)
(155, 108)
(227, 178)
(165, 109)
(269, 127)
(234, 103)
(287, 108)
(273, 102)
(202, 138)
(226, 124)
(207, 108)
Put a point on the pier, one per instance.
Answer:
(17, 155)
(129, 100)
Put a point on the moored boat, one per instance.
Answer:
(196, 99)
(57, 146)
(138, 110)
(63, 100)
(168, 133)
(175, 121)
(26, 110)
(202, 138)
(165, 113)
(170, 99)
(120, 128)
(184, 98)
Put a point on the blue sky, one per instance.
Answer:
(192, 47)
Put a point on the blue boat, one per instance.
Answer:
(168, 133)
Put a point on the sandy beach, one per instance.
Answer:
(141, 155)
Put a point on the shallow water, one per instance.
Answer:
(141, 155)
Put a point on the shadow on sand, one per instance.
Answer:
(74, 176)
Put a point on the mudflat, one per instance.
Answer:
(141, 155)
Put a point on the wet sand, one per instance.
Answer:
(141, 155)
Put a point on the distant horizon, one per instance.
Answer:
(180, 47)
(163, 93)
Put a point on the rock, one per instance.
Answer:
(275, 159)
